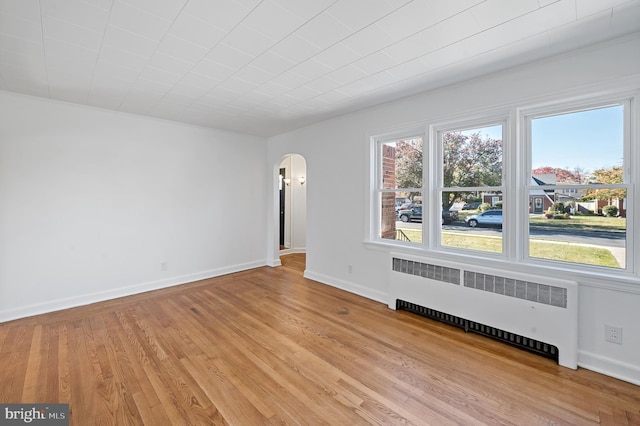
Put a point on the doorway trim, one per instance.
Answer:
(297, 191)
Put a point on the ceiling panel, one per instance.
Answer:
(224, 14)
(295, 48)
(14, 26)
(181, 49)
(337, 56)
(129, 41)
(323, 31)
(62, 52)
(166, 9)
(19, 46)
(197, 31)
(495, 12)
(75, 12)
(273, 21)
(357, 14)
(138, 21)
(368, 40)
(70, 33)
(585, 8)
(268, 66)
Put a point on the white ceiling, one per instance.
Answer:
(267, 66)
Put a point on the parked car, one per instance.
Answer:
(449, 216)
(400, 201)
(487, 218)
(472, 206)
(405, 206)
(415, 213)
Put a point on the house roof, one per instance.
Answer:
(267, 66)
(536, 181)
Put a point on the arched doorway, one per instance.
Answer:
(292, 204)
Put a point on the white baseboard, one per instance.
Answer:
(609, 367)
(100, 296)
(275, 262)
(292, 250)
(378, 296)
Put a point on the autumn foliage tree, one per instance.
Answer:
(610, 176)
(562, 175)
(409, 164)
(469, 161)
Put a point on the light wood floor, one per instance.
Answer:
(267, 347)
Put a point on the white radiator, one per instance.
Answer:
(543, 309)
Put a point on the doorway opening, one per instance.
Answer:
(292, 200)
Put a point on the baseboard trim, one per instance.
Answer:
(609, 367)
(275, 262)
(101, 296)
(378, 296)
(291, 251)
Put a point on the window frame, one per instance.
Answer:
(375, 226)
(525, 117)
(516, 168)
(436, 131)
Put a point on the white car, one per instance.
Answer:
(487, 218)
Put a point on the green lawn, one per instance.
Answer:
(589, 223)
(560, 251)
(567, 252)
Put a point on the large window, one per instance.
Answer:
(472, 175)
(399, 189)
(545, 185)
(578, 189)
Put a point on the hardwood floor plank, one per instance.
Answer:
(62, 370)
(268, 347)
(15, 356)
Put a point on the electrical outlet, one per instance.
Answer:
(164, 266)
(350, 269)
(613, 334)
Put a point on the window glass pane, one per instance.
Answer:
(584, 232)
(472, 158)
(585, 225)
(474, 221)
(579, 147)
(401, 217)
(402, 164)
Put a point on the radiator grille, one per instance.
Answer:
(527, 290)
(520, 289)
(531, 345)
(427, 270)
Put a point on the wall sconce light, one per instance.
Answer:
(286, 181)
(302, 180)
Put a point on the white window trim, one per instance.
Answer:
(515, 158)
(629, 102)
(436, 152)
(372, 219)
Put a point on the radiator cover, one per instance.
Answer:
(541, 310)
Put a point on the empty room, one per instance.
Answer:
(337, 212)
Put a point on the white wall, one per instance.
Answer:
(337, 161)
(93, 201)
